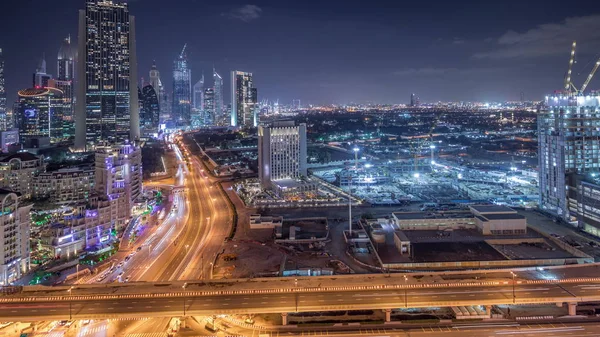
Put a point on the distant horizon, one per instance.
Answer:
(339, 51)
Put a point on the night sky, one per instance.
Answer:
(334, 51)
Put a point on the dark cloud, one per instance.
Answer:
(245, 13)
(547, 39)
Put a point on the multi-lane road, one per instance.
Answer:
(302, 301)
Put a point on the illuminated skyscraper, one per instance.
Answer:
(209, 106)
(243, 100)
(281, 152)
(3, 117)
(41, 77)
(65, 70)
(156, 83)
(198, 97)
(182, 90)
(149, 110)
(218, 115)
(414, 100)
(40, 114)
(107, 108)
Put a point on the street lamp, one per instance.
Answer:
(405, 291)
(70, 303)
(184, 285)
(513, 286)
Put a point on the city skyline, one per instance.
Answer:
(503, 57)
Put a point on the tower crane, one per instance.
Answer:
(568, 83)
(570, 88)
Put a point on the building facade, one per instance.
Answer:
(244, 100)
(149, 110)
(107, 110)
(41, 77)
(198, 97)
(3, 108)
(65, 185)
(17, 172)
(209, 113)
(15, 227)
(156, 83)
(218, 114)
(569, 159)
(281, 152)
(41, 113)
(65, 70)
(182, 91)
(119, 177)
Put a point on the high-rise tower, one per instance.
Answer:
(156, 83)
(3, 118)
(107, 108)
(218, 113)
(182, 90)
(198, 97)
(65, 65)
(41, 77)
(65, 73)
(243, 100)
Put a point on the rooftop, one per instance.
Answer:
(436, 215)
(503, 216)
(483, 209)
(23, 156)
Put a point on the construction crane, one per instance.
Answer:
(570, 88)
(568, 83)
(183, 51)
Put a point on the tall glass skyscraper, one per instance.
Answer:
(65, 70)
(209, 106)
(156, 83)
(3, 121)
(244, 100)
(198, 97)
(149, 110)
(182, 90)
(40, 113)
(217, 115)
(107, 108)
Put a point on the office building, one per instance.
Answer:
(18, 170)
(198, 97)
(107, 110)
(281, 154)
(156, 83)
(65, 64)
(3, 108)
(569, 159)
(40, 113)
(149, 110)
(8, 138)
(218, 114)
(209, 114)
(244, 100)
(414, 100)
(15, 228)
(41, 77)
(182, 91)
(65, 70)
(119, 177)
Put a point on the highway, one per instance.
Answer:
(185, 244)
(302, 301)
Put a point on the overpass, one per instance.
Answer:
(284, 295)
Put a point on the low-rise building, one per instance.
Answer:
(18, 171)
(65, 185)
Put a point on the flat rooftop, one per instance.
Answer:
(432, 215)
(455, 251)
(503, 216)
(492, 209)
